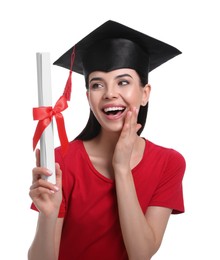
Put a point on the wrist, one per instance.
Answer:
(49, 215)
(122, 171)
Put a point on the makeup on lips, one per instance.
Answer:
(114, 112)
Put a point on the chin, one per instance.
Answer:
(114, 128)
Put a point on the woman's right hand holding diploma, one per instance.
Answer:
(46, 196)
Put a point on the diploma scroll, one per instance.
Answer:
(47, 158)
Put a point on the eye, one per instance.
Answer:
(95, 86)
(123, 82)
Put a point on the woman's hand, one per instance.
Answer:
(46, 196)
(124, 147)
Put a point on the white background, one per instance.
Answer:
(183, 114)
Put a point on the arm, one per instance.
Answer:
(47, 238)
(142, 233)
(47, 198)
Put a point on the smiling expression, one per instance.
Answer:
(112, 94)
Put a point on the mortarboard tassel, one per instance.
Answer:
(68, 87)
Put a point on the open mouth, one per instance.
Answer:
(113, 111)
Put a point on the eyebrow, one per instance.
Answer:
(123, 75)
(119, 76)
(95, 78)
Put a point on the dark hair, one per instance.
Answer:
(93, 127)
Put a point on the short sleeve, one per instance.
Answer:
(169, 192)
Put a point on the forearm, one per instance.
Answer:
(137, 234)
(44, 246)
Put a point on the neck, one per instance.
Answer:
(101, 150)
(107, 140)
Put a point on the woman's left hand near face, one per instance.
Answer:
(123, 150)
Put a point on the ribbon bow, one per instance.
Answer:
(45, 115)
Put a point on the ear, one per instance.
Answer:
(146, 94)
(87, 95)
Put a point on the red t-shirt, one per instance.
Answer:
(91, 227)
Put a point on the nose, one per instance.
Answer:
(110, 92)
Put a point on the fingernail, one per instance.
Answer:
(129, 113)
(49, 172)
(56, 188)
(57, 165)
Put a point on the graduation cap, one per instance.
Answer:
(113, 46)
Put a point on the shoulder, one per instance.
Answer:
(168, 155)
(159, 149)
(75, 148)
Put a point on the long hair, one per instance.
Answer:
(92, 128)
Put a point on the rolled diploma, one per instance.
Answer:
(47, 158)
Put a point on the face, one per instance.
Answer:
(111, 95)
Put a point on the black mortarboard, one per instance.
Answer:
(114, 46)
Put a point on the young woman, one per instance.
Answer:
(114, 190)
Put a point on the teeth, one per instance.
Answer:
(113, 109)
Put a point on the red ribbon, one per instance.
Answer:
(45, 115)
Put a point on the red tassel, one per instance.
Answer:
(68, 87)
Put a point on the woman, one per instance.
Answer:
(115, 190)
